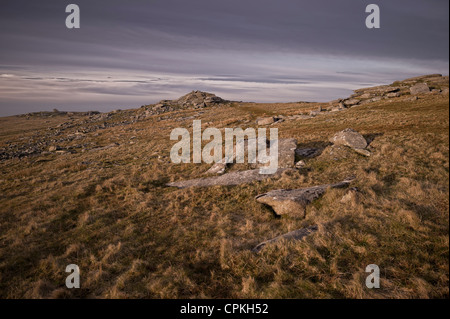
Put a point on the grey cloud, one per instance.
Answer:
(247, 49)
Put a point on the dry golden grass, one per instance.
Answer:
(132, 237)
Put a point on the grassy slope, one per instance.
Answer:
(133, 237)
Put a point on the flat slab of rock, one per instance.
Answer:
(419, 88)
(294, 201)
(293, 235)
(349, 137)
(228, 179)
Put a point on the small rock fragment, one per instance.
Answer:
(293, 235)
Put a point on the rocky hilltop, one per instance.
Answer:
(81, 123)
(192, 100)
(433, 83)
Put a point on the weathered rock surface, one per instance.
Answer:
(192, 100)
(362, 151)
(392, 95)
(307, 152)
(419, 88)
(219, 167)
(286, 156)
(349, 137)
(293, 235)
(198, 99)
(294, 201)
(286, 152)
(228, 179)
(351, 102)
(266, 120)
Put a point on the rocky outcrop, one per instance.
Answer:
(414, 86)
(286, 156)
(197, 99)
(419, 88)
(228, 179)
(192, 100)
(294, 201)
(349, 137)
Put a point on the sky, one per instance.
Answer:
(129, 53)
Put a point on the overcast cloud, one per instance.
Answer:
(129, 53)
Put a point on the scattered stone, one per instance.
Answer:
(362, 151)
(376, 99)
(293, 235)
(336, 109)
(350, 138)
(294, 201)
(265, 120)
(392, 95)
(351, 102)
(228, 179)
(419, 88)
(336, 152)
(300, 164)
